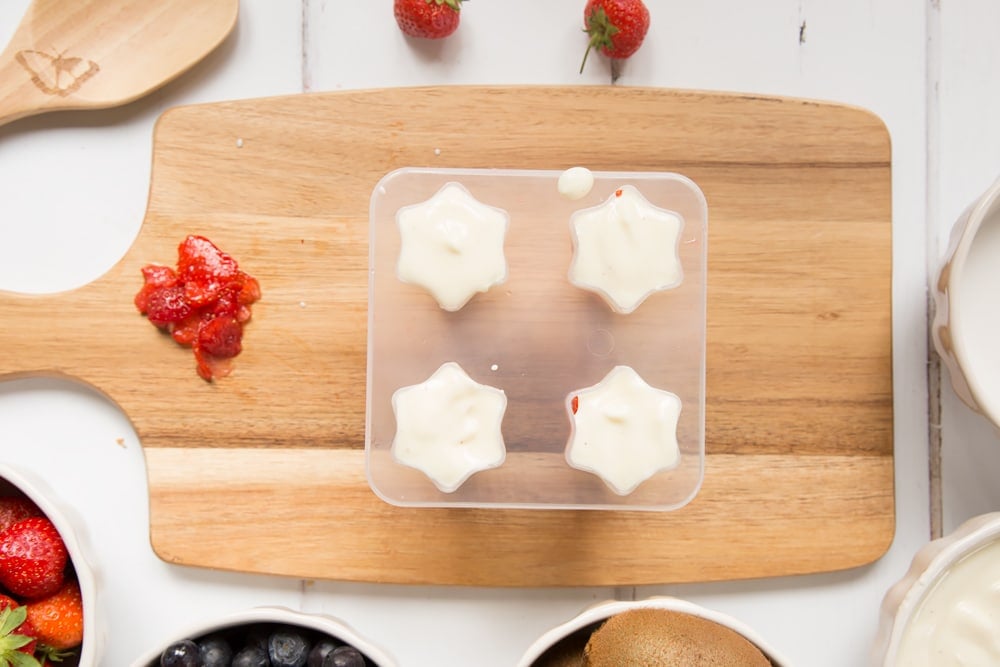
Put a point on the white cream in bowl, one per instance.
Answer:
(945, 611)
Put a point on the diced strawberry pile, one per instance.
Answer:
(41, 608)
(203, 303)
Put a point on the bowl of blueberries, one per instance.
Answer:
(268, 637)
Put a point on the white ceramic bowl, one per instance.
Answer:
(604, 610)
(967, 317)
(935, 559)
(321, 622)
(73, 532)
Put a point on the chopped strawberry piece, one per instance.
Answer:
(167, 304)
(155, 277)
(210, 367)
(204, 269)
(249, 289)
(159, 276)
(204, 303)
(185, 332)
(220, 336)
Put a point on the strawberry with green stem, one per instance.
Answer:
(616, 28)
(427, 19)
(17, 640)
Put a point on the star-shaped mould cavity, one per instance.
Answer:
(452, 245)
(625, 249)
(448, 426)
(623, 430)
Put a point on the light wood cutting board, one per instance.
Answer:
(264, 471)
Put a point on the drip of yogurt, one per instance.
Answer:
(448, 426)
(958, 621)
(625, 249)
(575, 183)
(623, 430)
(452, 245)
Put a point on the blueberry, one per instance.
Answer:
(183, 653)
(256, 635)
(345, 656)
(251, 656)
(287, 647)
(215, 651)
(320, 650)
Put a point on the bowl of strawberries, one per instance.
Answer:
(47, 585)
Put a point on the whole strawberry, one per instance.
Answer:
(15, 508)
(427, 19)
(58, 618)
(616, 27)
(32, 558)
(17, 636)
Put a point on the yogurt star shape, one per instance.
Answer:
(452, 246)
(625, 249)
(623, 430)
(448, 426)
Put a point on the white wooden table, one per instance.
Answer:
(72, 197)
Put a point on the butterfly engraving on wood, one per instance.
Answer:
(56, 74)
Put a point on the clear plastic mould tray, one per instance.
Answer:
(538, 338)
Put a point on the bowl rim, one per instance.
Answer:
(274, 614)
(71, 529)
(903, 599)
(603, 610)
(970, 223)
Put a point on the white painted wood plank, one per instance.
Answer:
(969, 161)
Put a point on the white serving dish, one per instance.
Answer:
(902, 601)
(73, 531)
(273, 614)
(603, 610)
(967, 315)
(537, 337)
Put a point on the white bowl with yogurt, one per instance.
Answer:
(945, 611)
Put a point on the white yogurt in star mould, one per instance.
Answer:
(957, 624)
(575, 183)
(623, 430)
(448, 426)
(452, 245)
(625, 249)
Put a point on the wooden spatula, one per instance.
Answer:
(93, 54)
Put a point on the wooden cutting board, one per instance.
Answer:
(264, 471)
